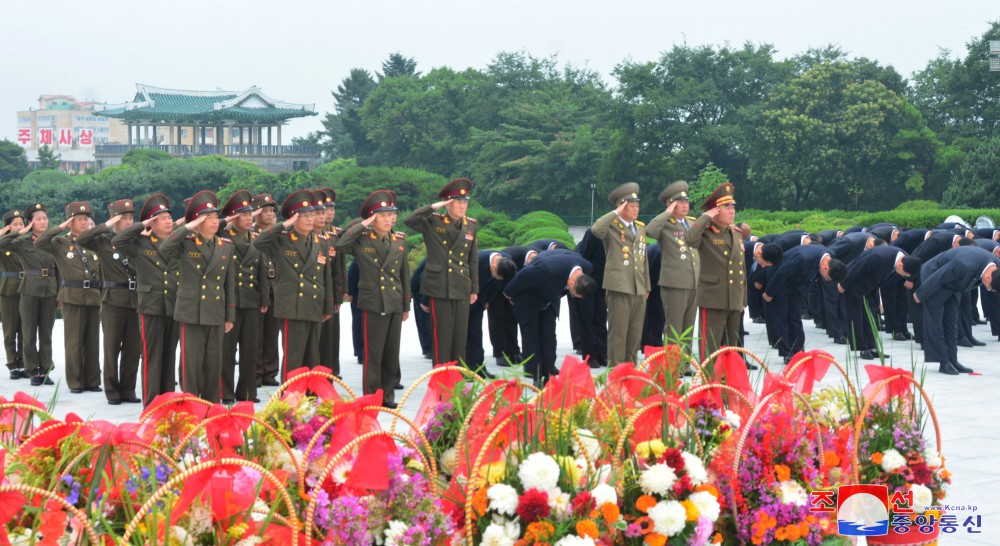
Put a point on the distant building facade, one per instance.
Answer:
(70, 128)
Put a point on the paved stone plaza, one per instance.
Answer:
(970, 428)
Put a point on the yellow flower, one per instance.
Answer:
(690, 511)
(568, 464)
(415, 465)
(491, 473)
(236, 531)
(652, 447)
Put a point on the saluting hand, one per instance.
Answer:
(113, 221)
(367, 222)
(196, 222)
(671, 207)
(5, 229)
(231, 218)
(256, 213)
(441, 204)
(291, 221)
(65, 225)
(714, 212)
(27, 227)
(621, 208)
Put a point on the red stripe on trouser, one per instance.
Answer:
(364, 371)
(284, 353)
(183, 355)
(145, 360)
(704, 333)
(434, 328)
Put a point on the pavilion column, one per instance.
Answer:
(279, 135)
(269, 135)
(195, 137)
(156, 140)
(129, 134)
(145, 134)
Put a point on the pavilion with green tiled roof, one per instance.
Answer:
(187, 123)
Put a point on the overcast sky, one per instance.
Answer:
(298, 50)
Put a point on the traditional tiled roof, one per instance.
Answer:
(156, 104)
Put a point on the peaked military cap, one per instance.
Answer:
(121, 206)
(156, 204)
(202, 202)
(264, 200)
(240, 201)
(329, 197)
(723, 195)
(299, 201)
(379, 201)
(678, 191)
(10, 215)
(626, 192)
(36, 207)
(459, 188)
(78, 207)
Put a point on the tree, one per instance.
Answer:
(47, 159)
(978, 185)
(397, 66)
(13, 161)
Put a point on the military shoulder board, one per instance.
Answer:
(225, 240)
(640, 224)
(399, 236)
(471, 219)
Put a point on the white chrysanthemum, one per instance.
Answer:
(341, 472)
(590, 443)
(932, 458)
(573, 540)
(922, 497)
(503, 499)
(694, 468)
(559, 503)
(180, 536)
(732, 419)
(496, 535)
(706, 503)
(539, 471)
(395, 532)
(657, 479)
(792, 493)
(604, 493)
(249, 541)
(199, 520)
(668, 517)
(892, 460)
(448, 461)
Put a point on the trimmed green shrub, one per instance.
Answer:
(552, 218)
(918, 204)
(546, 233)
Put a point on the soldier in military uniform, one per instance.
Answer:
(156, 280)
(10, 300)
(119, 320)
(626, 273)
(722, 283)
(303, 294)
(252, 289)
(266, 215)
(38, 292)
(383, 290)
(79, 295)
(329, 234)
(679, 262)
(206, 294)
(451, 276)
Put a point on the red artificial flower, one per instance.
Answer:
(533, 505)
(682, 487)
(921, 473)
(672, 457)
(583, 503)
(53, 525)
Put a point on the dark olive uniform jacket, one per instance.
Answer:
(452, 269)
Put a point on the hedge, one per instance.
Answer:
(546, 233)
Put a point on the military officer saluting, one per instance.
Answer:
(156, 283)
(10, 300)
(206, 294)
(721, 285)
(626, 273)
(451, 275)
(679, 262)
(119, 320)
(252, 294)
(329, 234)
(303, 295)
(80, 296)
(383, 290)
(266, 215)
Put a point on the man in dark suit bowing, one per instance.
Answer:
(495, 270)
(535, 292)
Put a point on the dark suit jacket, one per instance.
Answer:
(986, 233)
(883, 230)
(873, 268)
(955, 270)
(517, 253)
(489, 286)
(542, 283)
(830, 235)
(790, 239)
(798, 266)
(592, 250)
(850, 246)
(910, 239)
(548, 244)
(938, 242)
(988, 244)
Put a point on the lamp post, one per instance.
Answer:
(593, 186)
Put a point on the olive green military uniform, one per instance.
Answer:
(679, 266)
(206, 300)
(451, 276)
(303, 293)
(721, 284)
(119, 319)
(156, 280)
(329, 337)
(10, 315)
(80, 296)
(383, 297)
(268, 366)
(252, 287)
(626, 278)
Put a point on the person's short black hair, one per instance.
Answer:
(838, 271)
(585, 286)
(506, 268)
(995, 280)
(816, 238)
(965, 241)
(911, 266)
(878, 242)
(771, 253)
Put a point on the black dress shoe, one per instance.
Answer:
(132, 400)
(899, 336)
(947, 369)
(76, 391)
(868, 355)
(398, 386)
(17, 374)
(594, 365)
(93, 389)
(964, 343)
(361, 360)
(976, 342)
(228, 401)
(485, 374)
(270, 383)
(752, 367)
(979, 321)
(958, 366)
(840, 340)
(758, 320)
(114, 402)
(47, 381)
(37, 381)
(390, 405)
